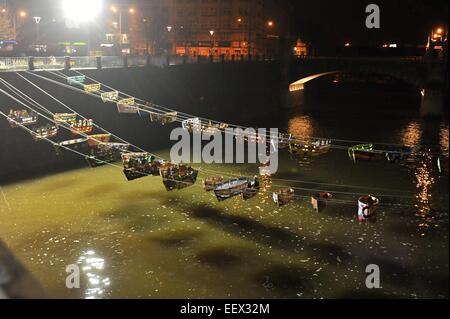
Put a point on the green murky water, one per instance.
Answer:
(135, 240)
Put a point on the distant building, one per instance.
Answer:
(208, 27)
(7, 32)
(300, 49)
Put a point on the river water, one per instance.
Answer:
(135, 240)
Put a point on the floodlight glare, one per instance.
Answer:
(81, 10)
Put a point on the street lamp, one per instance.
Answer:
(22, 14)
(81, 11)
(37, 20)
(211, 32)
(270, 24)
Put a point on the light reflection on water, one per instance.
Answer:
(425, 182)
(444, 141)
(92, 266)
(301, 127)
(412, 134)
(187, 245)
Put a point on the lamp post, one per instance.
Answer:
(211, 32)
(78, 12)
(119, 11)
(37, 20)
(173, 45)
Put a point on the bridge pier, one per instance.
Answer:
(296, 99)
(432, 104)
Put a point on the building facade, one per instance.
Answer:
(230, 28)
(7, 29)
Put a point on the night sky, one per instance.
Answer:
(333, 22)
(330, 23)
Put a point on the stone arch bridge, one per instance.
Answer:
(430, 76)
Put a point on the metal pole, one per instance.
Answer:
(120, 30)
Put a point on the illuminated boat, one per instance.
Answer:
(138, 165)
(399, 155)
(127, 106)
(254, 138)
(97, 139)
(165, 118)
(83, 126)
(210, 183)
(252, 189)
(110, 96)
(193, 125)
(78, 79)
(367, 206)
(103, 154)
(213, 128)
(177, 176)
(18, 118)
(284, 141)
(313, 148)
(236, 187)
(249, 137)
(44, 132)
(283, 196)
(231, 188)
(364, 152)
(78, 144)
(65, 118)
(92, 88)
(319, 201)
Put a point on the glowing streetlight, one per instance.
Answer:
(22, 14)
(239, 20)
(132, 10)
(81, 10)
(348, 44)
(270, 24)
(439, 31)
(3, 10)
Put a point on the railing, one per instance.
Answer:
(8, 64)
(83, 62)
(49, 63)
(112, 62)
(14, 64)
(362, 58)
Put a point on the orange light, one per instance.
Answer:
(3, 10)
(132, 10)
(239, 20)
(348, 44)
(270, 24)
(114, 9)
(439, 31)
(22, 14)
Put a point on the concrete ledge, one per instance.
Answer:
(16, 282)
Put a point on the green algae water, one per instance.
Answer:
(136, 240)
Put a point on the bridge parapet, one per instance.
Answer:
(428, 75)
(417, 71)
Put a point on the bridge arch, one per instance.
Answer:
(300, 84)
